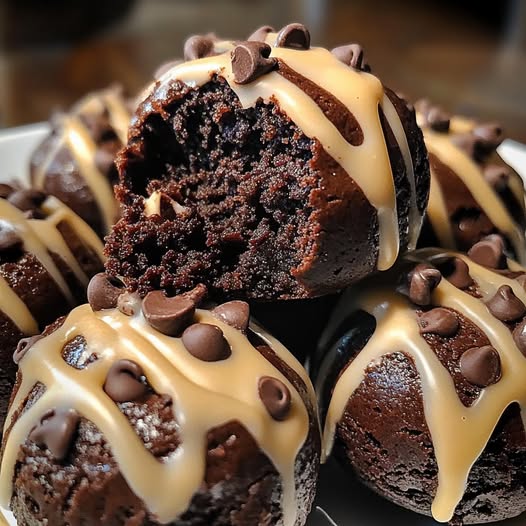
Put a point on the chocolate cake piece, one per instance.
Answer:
(180, 415)
(47, 255)
(421, 378)
(75, 161)
(267, 169)
(473, 192)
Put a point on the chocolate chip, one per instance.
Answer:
(261, 34)
(199, 46)
(104, 292)
(9, 238)
(480, 366)
(6, 190)
(505, 306)
(489, 252)
(206, 342)
(123, 382)
(250, 60)
(470, 144)
(23, 347)
(275, 396)
(491, 135)
(56, 431)
(294, 36)
(352, 55)
(423, 280)
(438, 321)
(456, 271)
(169, 316)
(498, 176)
(234, 313)
(473, 224)
(519, 336)
(27, 200)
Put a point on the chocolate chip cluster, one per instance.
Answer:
(480, 366)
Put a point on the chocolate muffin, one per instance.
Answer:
(267, 169)
(75, 162)
(154, 411)
(47, 255)
(473, 192)
(422, 383)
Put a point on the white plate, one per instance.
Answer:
(347, 502)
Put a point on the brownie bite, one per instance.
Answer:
(267, 169)
(473, 192)
(421, 380)
(179, 415)
(75, 161)
(47, 256)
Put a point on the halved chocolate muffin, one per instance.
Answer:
(267, 169)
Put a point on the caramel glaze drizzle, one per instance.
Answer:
(361, 93)
(459, 433)
(471, 174)
(202, 400)
(75, 136)
(40, 238)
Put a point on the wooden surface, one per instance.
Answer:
(470, 61)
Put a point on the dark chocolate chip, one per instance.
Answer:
(423, 280)
(9, 238)
(199, 46)
(6, 190)
(489, 252)
(251, 60)
(469, 144)
(480, 366)
(27, 199)
(206, 342)
(169, 316)
(498, 176)
(104, 292)
(123, 382)
(519, 336)
(23, 347)
(505, 306)
(473, 224)
(294, 36)
(352, 55)
(260, 35)
(234, 313)
(439, 321)
(56, 431)
(491, 135)
(275, 396)
(456, 271)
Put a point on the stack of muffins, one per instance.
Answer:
(271, 178)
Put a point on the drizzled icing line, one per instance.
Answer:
(368, 164)
(194, 386)
(459, 433)
(74, 135)
(471, 174)
(40, 238)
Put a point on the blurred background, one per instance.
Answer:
(463, 54)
